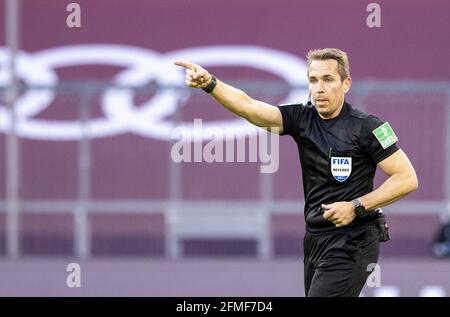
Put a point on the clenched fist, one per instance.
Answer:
(340, 213)
(196, 76)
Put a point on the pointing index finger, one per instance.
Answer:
(185, 65)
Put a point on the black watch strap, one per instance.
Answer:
(208, 89)
(359, 208)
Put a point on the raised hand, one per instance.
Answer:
(196, 76)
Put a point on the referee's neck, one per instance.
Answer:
(336, 113)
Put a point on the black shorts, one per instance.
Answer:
(338, 263)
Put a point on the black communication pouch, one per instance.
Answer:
(383, 229)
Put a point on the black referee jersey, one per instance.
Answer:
(338, 157)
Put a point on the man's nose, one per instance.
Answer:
(319, 87)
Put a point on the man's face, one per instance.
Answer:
(326, 87)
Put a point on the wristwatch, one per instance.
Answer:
(208, 89)
(359, 208)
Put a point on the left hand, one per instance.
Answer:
(340, 213)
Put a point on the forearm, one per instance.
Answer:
(254, 111)
(394, 188)
(233, 99)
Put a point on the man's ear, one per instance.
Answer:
(347, 84)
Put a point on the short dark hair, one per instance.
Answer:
(331, 53)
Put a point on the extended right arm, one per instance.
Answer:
(235, 100)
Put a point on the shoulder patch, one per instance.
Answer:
(385, 135)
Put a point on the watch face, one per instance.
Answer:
(359, 210)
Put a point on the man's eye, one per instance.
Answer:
(329, 80)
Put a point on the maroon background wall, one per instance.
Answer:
(411, 44)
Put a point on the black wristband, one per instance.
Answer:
(208, 89)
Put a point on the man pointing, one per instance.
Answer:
(339, 148)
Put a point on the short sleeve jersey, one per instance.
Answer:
(338, 157)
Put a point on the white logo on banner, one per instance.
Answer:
(142, 66)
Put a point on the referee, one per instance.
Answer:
(340, 148)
